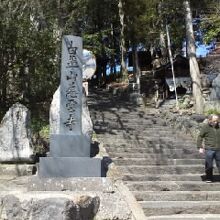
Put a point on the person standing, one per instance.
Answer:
(208, 143)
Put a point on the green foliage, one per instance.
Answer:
(212, 111)
(210, 19)
(44, 131)
(40, 126)
(211, 27)
(27, 53)
(40, 133)
(185, 102)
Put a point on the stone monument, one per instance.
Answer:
(15, 135)
(69, 149)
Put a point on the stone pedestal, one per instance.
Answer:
(70, 167)
(69, 148)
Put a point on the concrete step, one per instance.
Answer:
(138, 144)
(113, 119)
(186, 217)
(177, 195)
(146, 120)
(172, 186)
(163, 132)
(128, 131)
(148, 133)
(118, 137)
(180, 207)
(154, 155)
(153, 141)
(155, 161)
(121, 149)
(124, 118)
(125, 138)
(144, 129)
(142, 125)
(166, 177)
(166, 169)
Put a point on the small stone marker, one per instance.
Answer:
(69, 148)
(15, 137)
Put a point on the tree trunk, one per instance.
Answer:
(162, 34)
(194, 67)
(136, 70)
(124, 71)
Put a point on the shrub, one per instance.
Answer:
(212, 111)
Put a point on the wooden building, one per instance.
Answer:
(163, 78)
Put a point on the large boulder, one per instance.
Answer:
(56, 208)
(15, 135)
(55, 113)
(87, 126)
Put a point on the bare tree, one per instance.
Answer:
(122, 41)
(194, 67)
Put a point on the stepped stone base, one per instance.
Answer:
(69, 146)
(69, 167)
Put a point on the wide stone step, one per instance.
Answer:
(116, 112)
(126, 138)
(154, 155)
(163, 132)
(144, 125)
(130, 134)
(172, 186)
(155, 161)
(166, 169)
(147, 143)
(177, 195)
(166, 177)
(123, 118)
(121, 149)
(148, 117)
(118, 137)
(139, 145)
(144, 129)
(179, 207)
(186, 217)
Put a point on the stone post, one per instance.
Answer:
(69, 148)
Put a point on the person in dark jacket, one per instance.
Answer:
(208, 142)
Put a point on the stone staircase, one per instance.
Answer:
(159, 165)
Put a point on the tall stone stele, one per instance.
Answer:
(69, 149)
